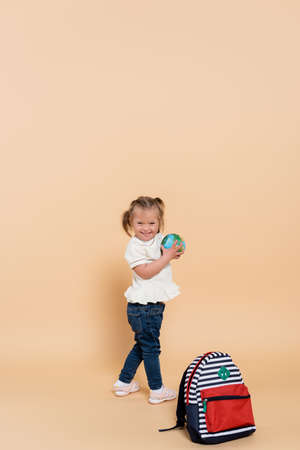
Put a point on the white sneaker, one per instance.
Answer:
(166, 394)
(121, 391)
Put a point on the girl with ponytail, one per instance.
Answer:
(152, 286)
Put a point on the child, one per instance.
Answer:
(152, 286)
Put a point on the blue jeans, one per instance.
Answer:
(145, 321)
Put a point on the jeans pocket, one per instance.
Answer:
(135, 322)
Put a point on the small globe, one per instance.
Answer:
(169, 240)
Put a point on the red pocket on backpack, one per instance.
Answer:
(227, 407)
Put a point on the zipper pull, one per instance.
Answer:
(205, 405)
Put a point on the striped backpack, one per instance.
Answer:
(214, 401)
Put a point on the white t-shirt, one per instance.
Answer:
(159, 288)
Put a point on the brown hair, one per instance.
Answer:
(143, 202)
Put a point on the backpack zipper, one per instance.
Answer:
(188, 386)
(222, 397)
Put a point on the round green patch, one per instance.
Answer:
(224, 373)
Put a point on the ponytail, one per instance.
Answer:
(126, 222)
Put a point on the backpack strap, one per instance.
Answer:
(180, 411)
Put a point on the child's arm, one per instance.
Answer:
(147, 271)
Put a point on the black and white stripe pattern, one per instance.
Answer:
(206, 376)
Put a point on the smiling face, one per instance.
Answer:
(145, 223)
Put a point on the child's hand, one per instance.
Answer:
(180, 253)
(172, 252)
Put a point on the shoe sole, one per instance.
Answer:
(123, 394)
(155, 402)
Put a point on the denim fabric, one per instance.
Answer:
(145, 321)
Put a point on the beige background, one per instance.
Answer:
(198, 103)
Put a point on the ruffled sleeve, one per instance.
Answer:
(135, 254)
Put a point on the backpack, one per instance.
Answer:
(214, 401)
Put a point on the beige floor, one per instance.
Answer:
(66, 407)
